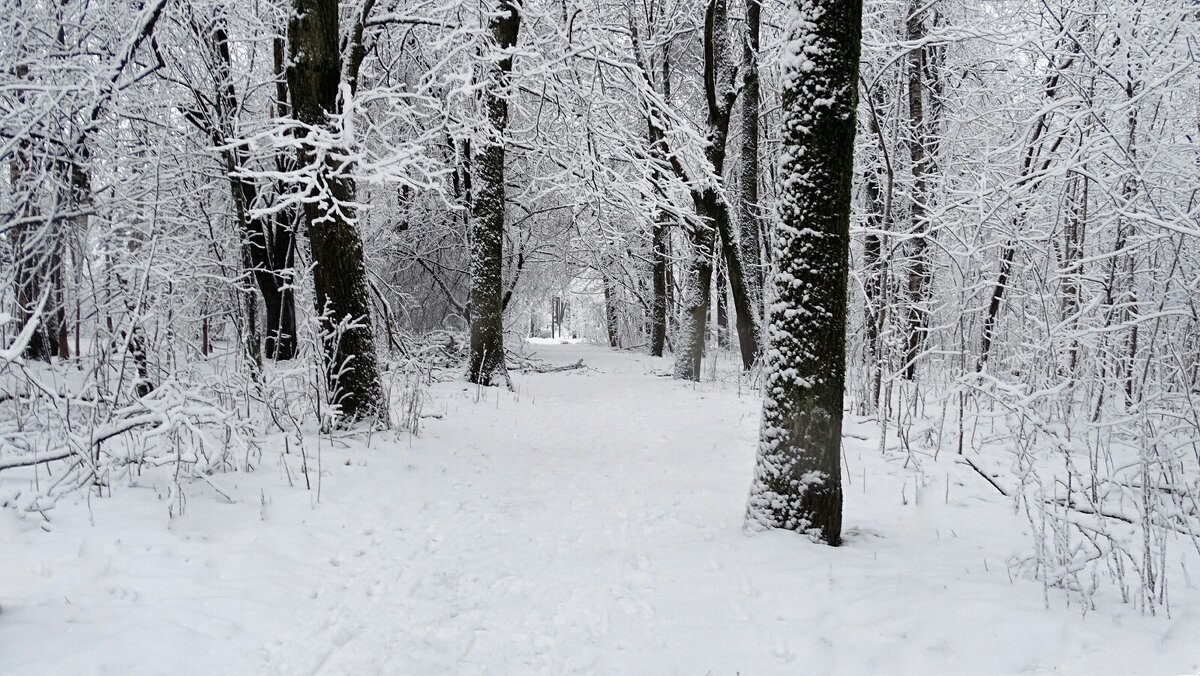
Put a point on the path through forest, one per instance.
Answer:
(589, 522)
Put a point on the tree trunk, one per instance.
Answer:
(873, 282)
(689, 348)
(797, 478)
(36, 257)
(269, 240)
(339, 273)
(1074, 231)
(722, 305)
(487, 214)
(658, 270)
(611, 320)
(713, 212)
(746, 307)
(751, 246)
(918, 150)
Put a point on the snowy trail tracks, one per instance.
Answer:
(589, 522)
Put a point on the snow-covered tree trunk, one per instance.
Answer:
(36, 254)
(749, 239)
(920, 267)
(697, 281)
(339, 275)
(658, 270)
(487, 213)
(269, 240)
(797, 478)
(612, 320)
(712, 208)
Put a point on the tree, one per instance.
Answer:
(339, 274)
(797, 477)
(709, 200)
(749, 212)
(919, 143)
(487, 213)
(268, 239)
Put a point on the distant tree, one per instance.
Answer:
(797, 479)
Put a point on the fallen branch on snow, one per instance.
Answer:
(534, 368)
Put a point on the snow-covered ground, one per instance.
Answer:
(589, 522)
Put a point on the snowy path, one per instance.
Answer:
(588, 523)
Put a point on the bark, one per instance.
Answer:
(1072, 270)
(611, 319)
(722, 306)
(658, 318)
(920, 269)
(486, 360)
(797, 478)
(660, 234)
(339, 272)
(696, 284)
(269, 240)
(35, 256)
(745, 306)
(751, 246)
(713, 213)
(873, 287)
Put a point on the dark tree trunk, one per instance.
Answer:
(36, 255)
(713, 212)
(696, 284)
(722, 305)
(878, 205)
(658, 270)
(1074, 232)
(797, 478)
(611, 318)
(873, 292)
(749, 211)
(339, 273)
(918, 141)
(487, 214)
(749, 328)
(269, 240)
(660, 243)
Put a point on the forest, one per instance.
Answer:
(599, 336)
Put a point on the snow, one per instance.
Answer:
(588, 522)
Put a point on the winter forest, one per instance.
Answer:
(599, 336)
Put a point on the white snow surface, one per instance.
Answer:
(590, 522)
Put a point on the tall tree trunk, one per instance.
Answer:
(661, 232)
(269, 240)
(713, 211)
(611, 318)
(749, 328)
(797, 478)
(873, 279)
(751, 245)
(689, 349)
(722, 305)
(487, 214)
(658, 271)
(339, 272)
(34, 245)
(920, 268)
(1074, 231)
